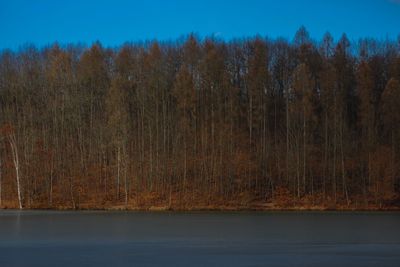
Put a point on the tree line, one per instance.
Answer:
(201, 121)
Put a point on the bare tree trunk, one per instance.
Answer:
(343, 169)
(298, 168)
(118, 171)
(287, 135)
(151, 155)
(51, 182)
(326, 155)
(14, 150)
(185, 166)
(304, 148)
(334, 151)
(71, 191)
(392, 161)
(125, 178)
(0, 182)
(250, 120)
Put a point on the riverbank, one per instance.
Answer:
(223, 208)
(243, 202)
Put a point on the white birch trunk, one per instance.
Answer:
(14, 150)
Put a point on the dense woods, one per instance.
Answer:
(202, 122)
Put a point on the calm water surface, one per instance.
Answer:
(51, 238)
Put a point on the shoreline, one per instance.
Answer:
(210, 209)
(216, 205)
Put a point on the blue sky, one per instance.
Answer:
(113, 22)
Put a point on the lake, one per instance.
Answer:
(104, 238)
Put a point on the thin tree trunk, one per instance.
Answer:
(125, 179)
(287, 135)
(14, 150)
(185, 166)
(118, 171)
(51, 186)
(304, 149)
(71, 191)
(0, 183)
(343, 169)
(334, 152)
(298, 168)
(326, 155)
(393, 164)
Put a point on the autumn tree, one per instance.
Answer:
(184, 93)
(391, 119)
(201, 121)
(303, 87)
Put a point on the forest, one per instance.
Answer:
(202, 123)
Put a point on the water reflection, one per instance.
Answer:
(43, 238)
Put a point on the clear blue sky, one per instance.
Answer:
(113, 22)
